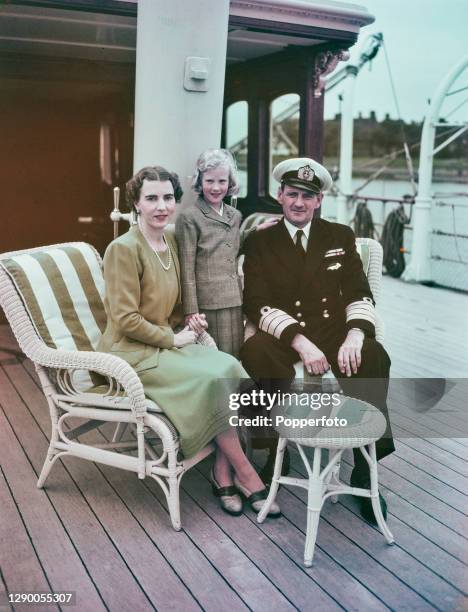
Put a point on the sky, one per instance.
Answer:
(424, 39)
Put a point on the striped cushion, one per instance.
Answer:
(62, 288)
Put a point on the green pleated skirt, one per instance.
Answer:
(192, 386)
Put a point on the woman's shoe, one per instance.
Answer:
(229, 498)
(256, 500)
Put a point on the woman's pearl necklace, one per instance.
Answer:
(168, 248)
(169, 256)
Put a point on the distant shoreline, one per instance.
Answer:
(445, 171)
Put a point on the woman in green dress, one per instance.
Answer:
(190, 382)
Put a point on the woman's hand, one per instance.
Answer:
(184, 337)
(196, 322)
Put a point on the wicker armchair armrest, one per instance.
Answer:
(101, 363)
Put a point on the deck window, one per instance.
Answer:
(284, 132)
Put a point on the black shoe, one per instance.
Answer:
(229, 498)
(266, 473)
(361, 480)
(257, 499)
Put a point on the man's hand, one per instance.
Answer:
(349, 355)
(196, 322)
(311, 356)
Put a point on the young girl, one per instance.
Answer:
(209, 239)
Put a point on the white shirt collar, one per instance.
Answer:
(292, 229)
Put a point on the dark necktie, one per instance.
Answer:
(299, 248)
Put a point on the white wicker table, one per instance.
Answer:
(365, 425)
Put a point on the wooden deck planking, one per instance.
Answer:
(288, 535)
(206, 500)
(405, 503)
(427, 449)
(202, 538)
(111, 521)
(4, 594)
(21, 568)
(413, 428)
(244, 531)
(418, 520)
(272, 561)
(364, 528)
(101, 557)
(404, 564)
(452, 448)
(259, 590)
(62, 565)
(104, 514)
(426, 330)
(181, 551)
(441, 419)
(357, 561)
(235, 555)
(428, 465)
(417, 545)
(306, 590)
(427, 484)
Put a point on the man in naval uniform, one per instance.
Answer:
(306, 291)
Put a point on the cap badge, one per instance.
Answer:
(306, 173)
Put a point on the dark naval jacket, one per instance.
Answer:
(321, 296)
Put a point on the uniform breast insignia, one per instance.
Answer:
(335, 253)
(335, 266)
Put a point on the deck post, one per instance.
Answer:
(419, 268)
(346, 146)
(175, 120)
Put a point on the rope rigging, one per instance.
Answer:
(390, 157)
(392, 233)
(409, 161)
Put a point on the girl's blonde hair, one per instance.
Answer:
(213, 158)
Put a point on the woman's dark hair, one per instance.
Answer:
(150, 173)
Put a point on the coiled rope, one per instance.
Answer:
(363, 222)
(392, 242)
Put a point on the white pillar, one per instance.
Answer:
(174, 125)
(419, 268)
(346, 147)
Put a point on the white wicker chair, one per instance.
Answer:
(38, 287)
(322, 483)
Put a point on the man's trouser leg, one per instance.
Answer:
(370, 384)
